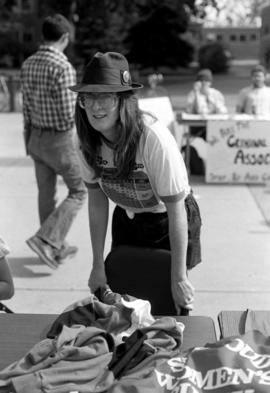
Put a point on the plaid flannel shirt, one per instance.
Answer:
(47, 101)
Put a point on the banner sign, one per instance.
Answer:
(238, 151)
(160, 107)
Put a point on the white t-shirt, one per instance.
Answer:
(4, 250)
(159, 175)
(254, 101)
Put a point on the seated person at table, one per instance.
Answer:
(6, 280)
(255, 99)
(203, 99)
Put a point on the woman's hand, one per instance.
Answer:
(97, 278)
(183, 294)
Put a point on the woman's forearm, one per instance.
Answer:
(182, 289)
(6, 282)
(178, 232)
(98, 208)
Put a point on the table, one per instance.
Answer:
(233, 322)
(19, 332)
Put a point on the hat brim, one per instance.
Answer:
(83, 88)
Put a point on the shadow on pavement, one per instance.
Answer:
(13, 161)
(25, 267)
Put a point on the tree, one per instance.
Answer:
(214, 56)
(231, 12)
(155, 39)
(64, 7)
(6, 8)
(102, 25)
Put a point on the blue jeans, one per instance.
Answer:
(54, 154)
(152, 230)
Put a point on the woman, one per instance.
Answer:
(131, 158)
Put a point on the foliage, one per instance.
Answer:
(110, 25)
(10, 50)
(148, 31)
(231, 12)
(64, 7)
(215, 57)
(6, 7)
(199, 8)
(155, 39)
(102, 25)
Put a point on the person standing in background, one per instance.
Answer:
(255, 99)
(48, 112)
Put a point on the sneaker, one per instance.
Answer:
(43, 250)
(66, 251)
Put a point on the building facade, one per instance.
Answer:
(265, 36)
(243, 42)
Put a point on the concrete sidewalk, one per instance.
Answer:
(234, 274)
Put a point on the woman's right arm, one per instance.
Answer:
(6, 280)
(98, 209)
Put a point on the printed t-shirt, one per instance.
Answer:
(159, 174)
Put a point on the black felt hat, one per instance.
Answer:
(105, 73)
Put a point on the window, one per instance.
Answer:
(232, 37)
(253, 37)
(219, 37)
(243, 37)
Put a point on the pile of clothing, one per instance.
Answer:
(111, 343)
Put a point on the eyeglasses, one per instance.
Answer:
(105, 100)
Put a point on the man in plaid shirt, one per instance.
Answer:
(48, 111)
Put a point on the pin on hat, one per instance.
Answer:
(106, 73)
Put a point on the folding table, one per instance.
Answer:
(19, 332)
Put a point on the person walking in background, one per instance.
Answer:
(6, 280)
(203, 99)
(131, 158)
(48, 112)
(255, 99)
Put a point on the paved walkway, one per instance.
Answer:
(234, 275)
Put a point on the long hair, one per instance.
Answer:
(131, 127)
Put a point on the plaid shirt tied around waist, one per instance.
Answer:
(47, 101)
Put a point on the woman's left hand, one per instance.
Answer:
(183, 294)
